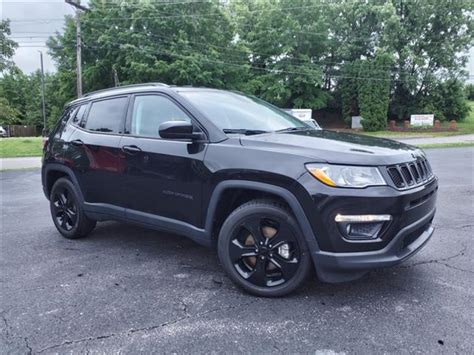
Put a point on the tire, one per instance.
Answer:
(252, 260)
(67, 211)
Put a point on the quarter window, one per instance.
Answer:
(149, 111)
(79, 114)
(107, 115)
(62, 123)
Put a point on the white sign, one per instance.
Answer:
(301, 113)
(421, 120)
(356, 124)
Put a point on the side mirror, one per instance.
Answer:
(178, 130)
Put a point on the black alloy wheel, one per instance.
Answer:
(262, 249)
(67, 212)
(65, 209)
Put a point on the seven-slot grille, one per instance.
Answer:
(411, 174)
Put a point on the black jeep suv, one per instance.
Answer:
(274, 195)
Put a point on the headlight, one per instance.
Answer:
(346, 176)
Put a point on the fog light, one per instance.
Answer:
(361, 231)
(363, 218)
(361, 227)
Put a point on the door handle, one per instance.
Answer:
(77, 142)
(131, 149)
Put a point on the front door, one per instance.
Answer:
(163, 178)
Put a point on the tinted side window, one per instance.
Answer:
(149, 111)
(61, 125)
(107, 115)
(79, 114)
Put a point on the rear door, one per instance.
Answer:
(163, 177)
(96, 154)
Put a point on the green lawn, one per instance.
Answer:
(21, 147)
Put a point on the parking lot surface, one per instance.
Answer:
(131, 290)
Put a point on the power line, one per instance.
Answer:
(203, 15)
(280, 57)
(161, 3)
(248, 66)
(170, 41)
(126, 18)
(198, 15)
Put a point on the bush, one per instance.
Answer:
(374, 95)
(469, 91)
(447, 101)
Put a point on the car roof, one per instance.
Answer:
(136, 88)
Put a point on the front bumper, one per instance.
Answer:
(340, 267)
(338, 259)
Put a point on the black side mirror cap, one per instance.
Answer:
(179, 130)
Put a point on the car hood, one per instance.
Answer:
(335, 147)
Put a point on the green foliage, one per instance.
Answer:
(356, 56)
(8, 114)
(374, 95)
(191, 47)
(425, 38)
(23, 93)
(448, 99)
(7, 46)
(469, 91)
(368, 98)
(287, 65)
(348, 89)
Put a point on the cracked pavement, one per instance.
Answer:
(125, 289)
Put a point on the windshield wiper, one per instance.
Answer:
(291, 129)
(244, 131)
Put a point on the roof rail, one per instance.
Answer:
(124, 86)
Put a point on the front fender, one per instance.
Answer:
(281, 192)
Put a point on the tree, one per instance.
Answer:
(8, 114)
(370, 97)
(13, 85)
(22, 92)
(470, 91)
(7, 46)
(374, 95)
(446, 100)
(192, 45)
(293, 53)
(426, 37)
(286, 57)
(348, 89)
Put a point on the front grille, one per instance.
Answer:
(411, 174)
(407, 175)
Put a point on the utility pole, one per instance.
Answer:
(42, 95)
(77, 5)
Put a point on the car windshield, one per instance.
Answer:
(237, 113)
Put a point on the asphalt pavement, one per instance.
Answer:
(125, 289)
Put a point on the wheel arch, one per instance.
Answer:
(53, 172)
(267, 190)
